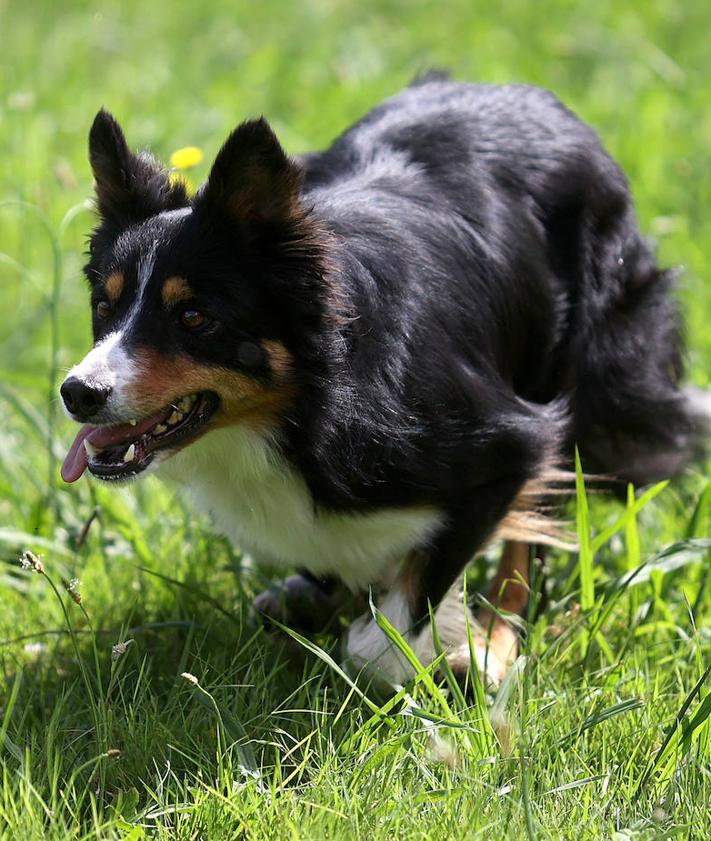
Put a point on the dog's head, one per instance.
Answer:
(199, 306)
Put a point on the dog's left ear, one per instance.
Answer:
(253, 180)
(129, 187)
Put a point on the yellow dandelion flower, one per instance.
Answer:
(186, 157)
(179, 178)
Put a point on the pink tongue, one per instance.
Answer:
(76, 460)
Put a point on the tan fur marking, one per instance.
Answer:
(509, 589)
(280, 360)
(509, 592)
(242, 400)
(529, 520)
(175, 290)
(113, 286)
(263, 195)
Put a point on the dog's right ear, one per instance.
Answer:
(129, 187)
(253, 181)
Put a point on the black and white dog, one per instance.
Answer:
(368, 362)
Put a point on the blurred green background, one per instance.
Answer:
(179, 74)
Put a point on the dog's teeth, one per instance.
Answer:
(91, 450)
(160, 428)
(133, 421)
(130, 453)
(184, 404)
(175, 417)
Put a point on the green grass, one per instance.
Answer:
(603, 731)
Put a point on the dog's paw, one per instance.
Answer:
(370, 654)
(300, 603)
(492, 655)
(491, 670)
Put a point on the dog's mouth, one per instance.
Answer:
(125, 450)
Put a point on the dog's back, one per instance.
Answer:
(534, 264)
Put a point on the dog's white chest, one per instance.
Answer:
(264, 506)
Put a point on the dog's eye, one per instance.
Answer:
(103, 308)
(192, 319)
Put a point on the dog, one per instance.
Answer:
(367, 363)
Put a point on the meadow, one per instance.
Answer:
(139, 697)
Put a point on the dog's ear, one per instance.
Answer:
(252, 180)
(129, 187)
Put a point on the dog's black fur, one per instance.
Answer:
(462, 286)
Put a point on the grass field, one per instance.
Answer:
(603, 731)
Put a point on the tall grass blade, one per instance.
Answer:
(480, 705)
(585, 555)
(631, 511)
(317, 651)
(632, 545)
(680, 732)
(6, 743)
(480, 737)
(231, 725)
(698, 525)
(598, 717)
(422, 673)
(452, 683)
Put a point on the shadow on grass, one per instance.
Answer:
(116, 710)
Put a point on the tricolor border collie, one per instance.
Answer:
(368, 362)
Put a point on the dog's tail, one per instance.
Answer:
(634, 419)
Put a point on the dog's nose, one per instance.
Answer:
(82, 400)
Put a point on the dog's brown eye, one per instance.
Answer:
(192, 319)
(103, 308)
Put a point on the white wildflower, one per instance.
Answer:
(29, 560)
(118, 650)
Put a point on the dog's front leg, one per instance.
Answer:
(307, 603)
(494, 639)
(431, 576)
(369, 648)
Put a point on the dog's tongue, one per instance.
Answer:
(76, 460)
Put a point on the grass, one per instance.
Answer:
(602, 732)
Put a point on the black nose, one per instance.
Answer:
(82, 400)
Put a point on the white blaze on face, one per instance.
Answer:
(146, 264)
(107, 366)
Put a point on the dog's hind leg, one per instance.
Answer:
(508, 595)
